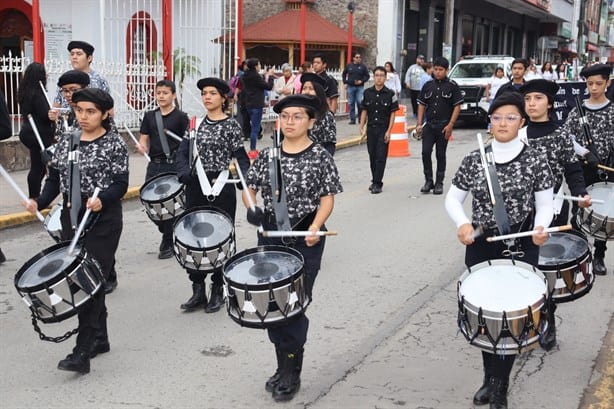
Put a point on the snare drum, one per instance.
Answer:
(265, 286)
(598, 220)
(163, 197)
(565, 259)
(500, 305)
(53, 223)
(203, 239)
(54, 284)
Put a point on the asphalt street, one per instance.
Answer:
(383, 330)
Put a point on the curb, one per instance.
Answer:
(17, 219)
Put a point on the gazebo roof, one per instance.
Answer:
(286, 27)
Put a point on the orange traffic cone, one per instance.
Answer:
(399, 139)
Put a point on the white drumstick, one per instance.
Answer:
(251, 203)
(173, 135)
(21, 194)
(86, 215)
(45, 93)
(35, 129)
(580, 199)
(485, 166)
(529, 233)
(136, 142)
(281, 233)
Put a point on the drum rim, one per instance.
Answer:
(195, 209)
(261, 249)
(560, 267)
(79, 258)
(159, 176)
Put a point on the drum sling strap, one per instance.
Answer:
(162, 135)
(74, 179)
(503, 222)
(280, 205)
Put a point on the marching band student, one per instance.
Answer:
(600, 120)
(519, 68)
(69, 83)
(324, 131)
(151, 142)
(218, 139)
(103, 163)
(310, 181)
(526, 188)
(543, 134)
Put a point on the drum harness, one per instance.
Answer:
(74, 178)
(162, 136)
(586, 130)
(280, 205)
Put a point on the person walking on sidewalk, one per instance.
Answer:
(354, 76)
(412, 82)
(161, 149)
(218, 140)
(439, 107)
(376, 120)
(393, 81)
(332, 88)
(253, 94)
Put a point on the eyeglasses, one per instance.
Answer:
(71, 90)
(497, 119)
(295, 117)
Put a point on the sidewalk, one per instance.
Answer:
(13, 214)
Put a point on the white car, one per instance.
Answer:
(472, 74)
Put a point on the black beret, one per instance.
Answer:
(308, 102)
(507, 98)
(221, 85)
(540, 85)
(74, 77)
(95, 95)
(596, 69)
(314, 78)
(441, 62)
(86, 47)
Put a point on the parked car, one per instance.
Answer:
(472, 74)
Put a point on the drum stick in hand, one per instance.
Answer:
(86, 215)
(529, 233)
(20, 192)
(604, 167)
(136, 142)
(579, 199)
(292, 233)
(45, 94)
(173, 135)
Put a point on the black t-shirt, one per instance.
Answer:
(175, 121)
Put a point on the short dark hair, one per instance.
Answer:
(522, 61)
(167, 83)
(353, 55)
(321, 57)
(379, 68)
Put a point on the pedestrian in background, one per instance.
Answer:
(33, 102)
(494, 83)
(548, 72)
(376, 121)
(427, 75)
(252, 92)
(412, 81)
(305, 67)
(354, 76)
(319, 65)
(284, 85)
(439, 105)
(393, 81)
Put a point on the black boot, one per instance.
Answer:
(273, 381)
(78, 361)
(482, 396)
(599, 266)
(428, 186)
(289, 376)
(548, 339)
(217, 298)
(101, 339)
(498, 398)
(198, 298)
(438, 189)
(166, 248)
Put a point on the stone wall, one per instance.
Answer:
(14, 155)
(335, 11)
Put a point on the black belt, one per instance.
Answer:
(163, 160)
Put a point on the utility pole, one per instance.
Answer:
(448, 31)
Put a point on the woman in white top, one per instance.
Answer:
(393, 81)
(284, 85)
(494, 83)
(548, 72)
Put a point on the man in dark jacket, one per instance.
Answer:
(253, 93)
(354, 77)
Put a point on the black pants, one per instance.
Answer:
(38, 169)
(499, 366)
(414, 94)
(154, 169)
(432, 135)
(101, 242)
(293, 335)
(227, 202)
(378, 152)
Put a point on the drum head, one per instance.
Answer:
(502, 287)
(263, 265)
(46, 265)
(605, 192)
(160, 187)
(203, 228)
(562, 248)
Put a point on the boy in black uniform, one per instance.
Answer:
(310, 181)
(376, 119)
(519, 68)
(332, 88)
(599, 112)
(162, 149)
(438, 106)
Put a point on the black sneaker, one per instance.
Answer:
(110, 286)
(376, 189)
